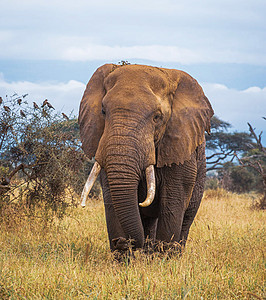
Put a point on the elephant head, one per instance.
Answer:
(133, 118)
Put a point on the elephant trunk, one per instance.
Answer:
(123, 183)
(125, 157)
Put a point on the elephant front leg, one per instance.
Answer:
(169, 225)
(175, 193)
(168, 232)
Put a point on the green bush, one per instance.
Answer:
(211, 183)
(41, 162)
(242, 180)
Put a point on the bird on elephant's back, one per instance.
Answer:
(145, 126)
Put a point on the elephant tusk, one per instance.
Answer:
(150, 178)
(90, 182)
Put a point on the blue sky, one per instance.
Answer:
(49, 49)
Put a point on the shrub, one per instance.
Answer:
(211, 183)
(242, 180)
(42, 163)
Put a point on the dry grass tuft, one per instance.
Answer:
(70, 259)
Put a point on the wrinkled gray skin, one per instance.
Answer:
(132, 117)
(167, 218)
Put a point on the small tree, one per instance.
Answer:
(241, 180)
(255, 160)
(223, 144)
(41, 160)
(224, 147)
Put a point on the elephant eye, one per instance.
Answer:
(157, 117)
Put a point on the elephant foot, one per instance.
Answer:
(120, 244)
(169, 249)
(149, 246)
(123, 249)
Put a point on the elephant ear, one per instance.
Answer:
(91, 120)
(190, 118)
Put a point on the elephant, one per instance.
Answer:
(145, 126)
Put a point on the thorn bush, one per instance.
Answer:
(41, 162)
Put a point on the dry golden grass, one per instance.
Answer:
(71, 259)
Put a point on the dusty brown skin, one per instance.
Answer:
(135, 116)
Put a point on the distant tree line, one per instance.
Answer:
(236, 161)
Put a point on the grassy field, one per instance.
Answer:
(70, 259)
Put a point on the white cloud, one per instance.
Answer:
(64, 97)
(19, 44)
(162, 53)
(179, 31)
(238, 107)
(255, 90)
(152, 52)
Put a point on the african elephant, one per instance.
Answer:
(145, 126)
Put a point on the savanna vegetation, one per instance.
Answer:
(50, 248)
(70, 258)
(236, 161)
(40, 155)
